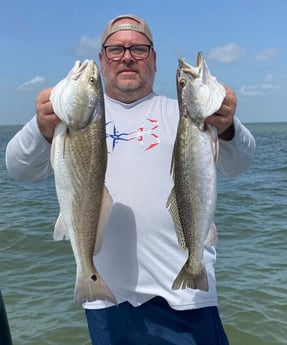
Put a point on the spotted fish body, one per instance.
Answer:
(79, 159)
(192, 201)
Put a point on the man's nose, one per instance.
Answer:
(127, 55)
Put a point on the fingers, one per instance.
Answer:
(223, 118)
(46, 118)
(43, 103)
(229, 103)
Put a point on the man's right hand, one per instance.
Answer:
(46, 118)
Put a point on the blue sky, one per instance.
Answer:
(244, 43)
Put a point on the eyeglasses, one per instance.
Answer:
(138, 51)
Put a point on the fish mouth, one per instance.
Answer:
(199, 60)
(186, 76)
(80, 67)
(187, 68)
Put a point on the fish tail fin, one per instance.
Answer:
(190, 279)
(88, 289)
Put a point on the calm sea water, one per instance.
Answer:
(37, 275)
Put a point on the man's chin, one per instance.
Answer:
(128, 85)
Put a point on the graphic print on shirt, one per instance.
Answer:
(146, 135)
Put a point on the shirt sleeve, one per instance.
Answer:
(236, 155)
(28, 154)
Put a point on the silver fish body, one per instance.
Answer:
(192, 201)
(79, 159)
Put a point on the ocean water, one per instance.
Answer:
(37, 275)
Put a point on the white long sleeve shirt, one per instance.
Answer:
(140, 256)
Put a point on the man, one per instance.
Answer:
(140, 256)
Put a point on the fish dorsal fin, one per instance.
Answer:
(173, 209)
(106, 208)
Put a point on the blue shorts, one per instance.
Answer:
(155, 323)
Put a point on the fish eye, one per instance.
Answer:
(182, 82)
(92, 80)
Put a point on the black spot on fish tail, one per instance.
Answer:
(94, 277)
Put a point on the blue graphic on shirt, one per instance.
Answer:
(116, 136)
(146, 135)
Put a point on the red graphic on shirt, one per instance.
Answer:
(146, 134)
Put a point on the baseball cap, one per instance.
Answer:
(141, 26)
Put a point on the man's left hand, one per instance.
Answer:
(223, 118)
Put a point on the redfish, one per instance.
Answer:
(79, 160)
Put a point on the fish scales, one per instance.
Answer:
(79, 159)
(192, 201)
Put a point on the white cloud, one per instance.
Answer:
(226, 54)
(266, 86)
(267, 54)
(88, 46)
(31, 84)
(251, 90)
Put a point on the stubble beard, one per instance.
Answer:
(127, 88)
(127, 84)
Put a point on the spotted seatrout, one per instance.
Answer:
(192, 200)
(79, 159)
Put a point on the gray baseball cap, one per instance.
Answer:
(141, 26)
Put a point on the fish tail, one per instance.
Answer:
(187, 278)
(91, 289)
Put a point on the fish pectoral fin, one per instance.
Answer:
(106, 208)
(216, 149)
(173, 209)
(213, 137)
(60, 232)
(212, 237)
(58, 145)
(52, 155)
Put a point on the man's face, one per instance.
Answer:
(128, 79)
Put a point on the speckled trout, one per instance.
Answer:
(79, 160)
(192, 201)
